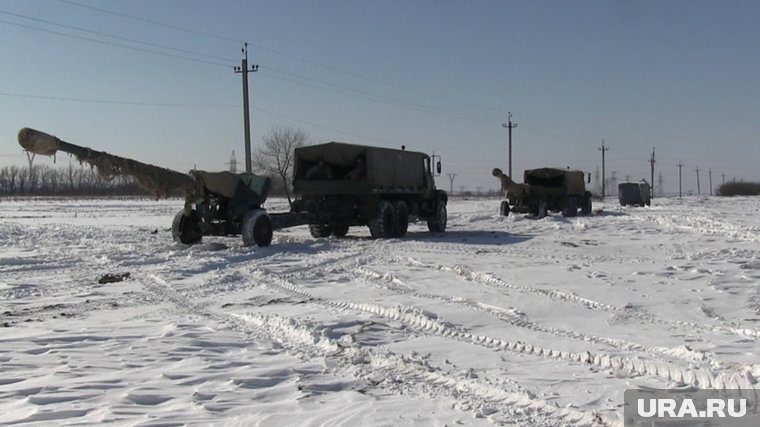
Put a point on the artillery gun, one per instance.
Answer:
(216, 203)
(545, 190)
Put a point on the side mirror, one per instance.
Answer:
(438, 167)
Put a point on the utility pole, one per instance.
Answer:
(244, 70)
(709, 173)
(651, 183)
(699, 190)
(724, 178)
(680, 188)
(509, 125)
(451, 178)
(603, 149)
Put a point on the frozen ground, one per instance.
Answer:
(497, 321)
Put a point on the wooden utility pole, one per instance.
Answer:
(680, 188)
(603, 149)
(699, 190)
(651, 183)
(709, 174)
(509, 125)
(244, 70)
(451, 178)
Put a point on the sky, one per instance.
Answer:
(154, 80)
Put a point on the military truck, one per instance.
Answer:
(546, 190)
(341, 185)
(634, 193)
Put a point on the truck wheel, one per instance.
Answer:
(257, 228)
(586, 207)
(401, 218)
(319, 230)
(504, 208)
(187, 229)
(571, 210)
(340, 230)
(381, 227)
(437, 223)
(541, 208)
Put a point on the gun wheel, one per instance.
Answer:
(257, 228)
(187, 228)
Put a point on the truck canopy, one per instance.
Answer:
(572, 181)
(357, 168)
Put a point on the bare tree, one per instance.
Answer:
(276, 157)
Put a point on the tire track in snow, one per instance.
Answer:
(427, 322)
(309, 341)
(489, 279)
(516, 318)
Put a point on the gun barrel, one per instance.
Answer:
(159, 181)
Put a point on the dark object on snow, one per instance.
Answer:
(546, 190)
(382, 188)
(216, 203)
(113, 278)
(634, 193)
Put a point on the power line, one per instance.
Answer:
(344, 90)
(114, 102)
(276, 52)
(149, 21)
(123, 46)
(113, 36)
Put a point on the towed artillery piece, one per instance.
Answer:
(337, 186)
(546, 190)
(216, 203)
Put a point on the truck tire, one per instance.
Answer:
(187, 229)
(504, 208)
(542, 208)
(400, 218)
(571, 210)
(437, 223)
(257, 228)
(340, 230)
(381, 227)
(320, 230)
(586, 206)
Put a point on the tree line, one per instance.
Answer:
(72, 180)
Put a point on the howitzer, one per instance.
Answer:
(216, 203)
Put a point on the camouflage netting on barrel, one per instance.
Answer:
(157, 180)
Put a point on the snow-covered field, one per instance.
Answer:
(497, 321)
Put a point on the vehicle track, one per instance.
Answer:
(384, 368)
(426, 322)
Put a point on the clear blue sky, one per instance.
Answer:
(683, 76)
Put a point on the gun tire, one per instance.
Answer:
(257, 228)
(187, 228)
(504, 208)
